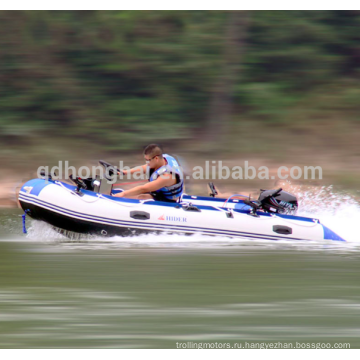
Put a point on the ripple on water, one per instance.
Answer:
(63, 315)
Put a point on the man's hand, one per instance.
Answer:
(161, 181)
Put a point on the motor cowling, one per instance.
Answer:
(281, 202)
(92, 184)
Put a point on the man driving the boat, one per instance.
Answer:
(164, 175)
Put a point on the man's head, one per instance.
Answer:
(153, 156)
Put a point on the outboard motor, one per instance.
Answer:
(278, 201)
(274, 201)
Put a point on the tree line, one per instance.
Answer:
(121, 78)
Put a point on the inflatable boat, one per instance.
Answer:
(82, 208)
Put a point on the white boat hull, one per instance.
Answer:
(58, 204)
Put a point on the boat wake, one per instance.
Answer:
(340, 211)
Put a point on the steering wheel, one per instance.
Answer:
(111, 169)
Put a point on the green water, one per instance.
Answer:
(104, 294)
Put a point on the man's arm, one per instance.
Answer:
(161, 181)
(141, 168)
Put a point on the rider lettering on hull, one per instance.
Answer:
(173, 218)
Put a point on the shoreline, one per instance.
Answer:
(8, 195)
(344, 180)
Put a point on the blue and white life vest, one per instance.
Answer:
(173, 192)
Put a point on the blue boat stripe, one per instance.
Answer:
(330, 235)
(206, 198)
(147, 225)
(31, 183)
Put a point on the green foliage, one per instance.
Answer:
(124, 78)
